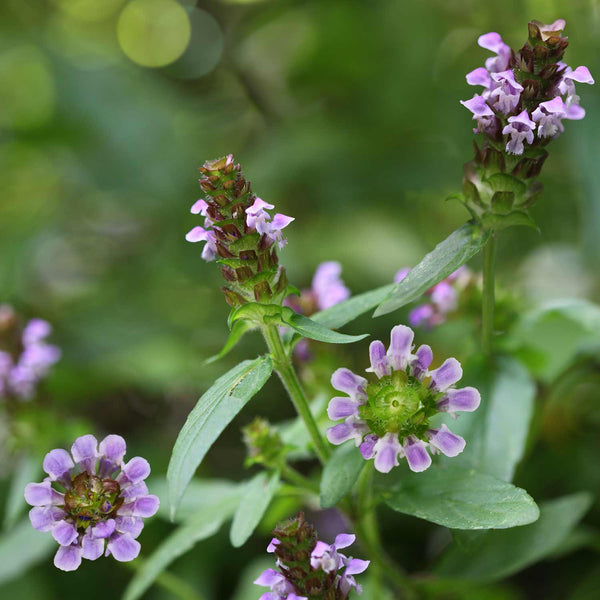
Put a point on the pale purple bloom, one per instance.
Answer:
(519, 130)
(102, 507)
(281, 588)
(258, 218)
(327, 285)
(506, 95)
(199, 234)
(493, 42)
(20, 374)
(405, 392)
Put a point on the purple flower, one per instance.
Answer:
(493, 42)
(21, 371)
(258, 218)
(102, 507)
(199, 234)
(506, 95)
(389, 418)
(326, 572)
(327, 285)
(519, 129)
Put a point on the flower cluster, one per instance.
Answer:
(92, 502)
(390, 418)
(309, 568)
(25, 356)
(443, 298)
(526, 95)
(240, 231)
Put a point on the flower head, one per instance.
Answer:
(25, 355)
(308, 567)
(390, 418)
(92, 501)
(240, 233)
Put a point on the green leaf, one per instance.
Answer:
(313, 330)
(339, 474)
(496, 432)
(26, 470)
(238, 330)
(200, 494)
(462, 499)
(512, 219)
(200, 526)
(213, 412)
(339, 315)
(21, 548)
(258, 493)
(446, 257)
(498, 554)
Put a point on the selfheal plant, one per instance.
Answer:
(390, 418)
(240, 231)
(25, 355)
(310, 569)
(92, 502)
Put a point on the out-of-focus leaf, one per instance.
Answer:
(339, 474)
(200, 494)
(238, 330)
(213, 412)
(444, 259)
(498, 554)
(496, 432)
(257, 496)
(25, 472)
(21, 548)
(198, 527)
(462, 499)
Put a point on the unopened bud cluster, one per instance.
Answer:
(239, 231)
(310, 569)
(526, 96)
(263, 444)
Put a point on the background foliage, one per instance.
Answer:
(344, 114)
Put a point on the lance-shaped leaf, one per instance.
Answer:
(258, 493)
(462, 499)
(498, 554)
(213, 412)
(238, 329)
(339, 474)
(444, 259)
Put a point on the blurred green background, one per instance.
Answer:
(345, 115)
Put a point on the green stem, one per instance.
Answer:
(489, 256)
(298, 479)
(287, 374)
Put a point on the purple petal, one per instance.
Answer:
(123, 547)
(379, 360)
(448, 374)
(386, 452)
(258, 206)
(351, 429)
(199, 207)
(280, 221)
(38, 329)
(44, 518)
(416, 454)
(444, 296)
(104, 529)
(64, 533)
(342, 407)
(146, 506)
(367, 448)
(356, 566)
(445, 441)
(132, 491)
(345, 380)
(58, 464)
(327, 285)
(343, 540)
(479, 76)
(273, 545)
(197, 234)
(421, 361)
(491, 41)
(112, 450)
(68, 558)
(92, 547)
(575, 112)
(136, 470)
(420, 315)
(268, 578)
(523, 119)
(131, 525)
(42, 494)
(478, 106)
(401, 339)
(85, 452)
(581, 75)
(464, 399)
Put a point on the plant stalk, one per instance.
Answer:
(287, 374)
(487, 309)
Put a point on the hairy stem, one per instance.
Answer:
(287, 374)
(487, 309)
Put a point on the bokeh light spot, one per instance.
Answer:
(204, 50)
(154, 33)
(27, 90)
